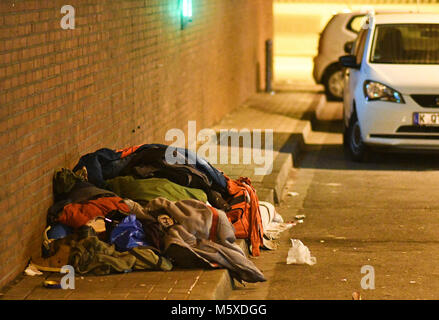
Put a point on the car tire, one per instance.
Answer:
(345, 135)
(354, 145)
(333, 82)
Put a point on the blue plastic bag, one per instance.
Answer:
(128, 234)
(59, 231)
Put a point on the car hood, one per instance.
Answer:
(407, 79)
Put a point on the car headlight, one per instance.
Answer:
(378, 91)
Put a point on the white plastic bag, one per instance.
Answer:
(31, 270)
(299, 254)
(272, 222)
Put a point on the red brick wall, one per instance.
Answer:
(124, 76)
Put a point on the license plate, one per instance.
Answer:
(426, 118)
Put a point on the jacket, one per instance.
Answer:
(91, 255)
(106, 163)
(82, 203)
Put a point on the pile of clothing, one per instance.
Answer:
(133, 209)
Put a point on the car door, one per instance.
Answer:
(352, 76)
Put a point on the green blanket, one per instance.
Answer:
(149, 189)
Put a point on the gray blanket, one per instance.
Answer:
(187, 242)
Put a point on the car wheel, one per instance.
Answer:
(333, 82)
(354, 144)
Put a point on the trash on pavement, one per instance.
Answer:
(50, 284)
(293, 194)
(31, 270)
(272, 222)
(270, 244)
(300, 254)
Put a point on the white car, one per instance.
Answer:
(341, 28)
(391, 89)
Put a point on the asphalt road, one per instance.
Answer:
(382, 214)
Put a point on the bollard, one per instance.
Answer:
(268, 65)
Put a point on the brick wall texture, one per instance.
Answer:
(124, 76)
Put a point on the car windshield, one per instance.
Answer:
(406, 44)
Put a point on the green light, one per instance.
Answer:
(187, 9)
(186, 12)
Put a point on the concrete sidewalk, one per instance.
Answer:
(289, 114)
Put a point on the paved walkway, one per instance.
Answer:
(288, 115)
(152, 285)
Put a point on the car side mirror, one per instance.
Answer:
(349, 61)
(348, 47)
